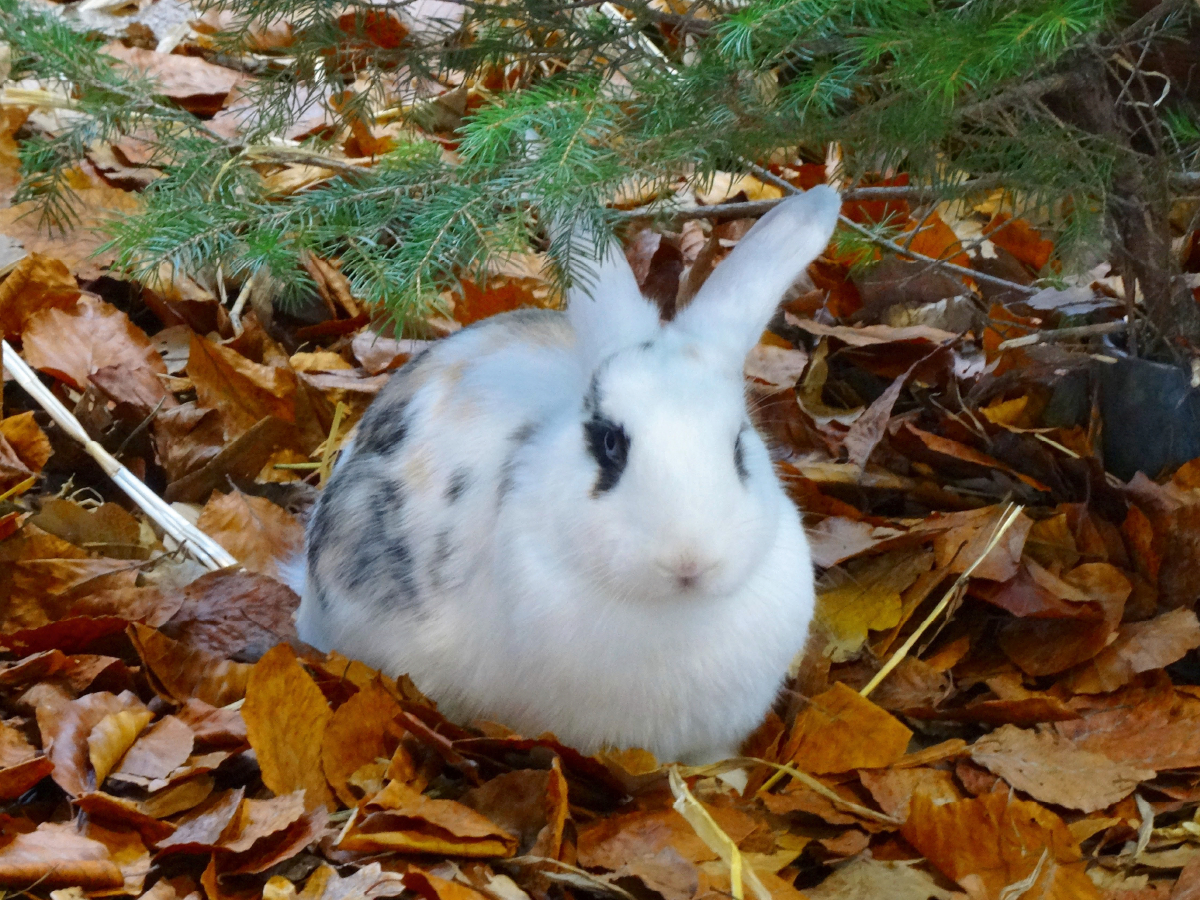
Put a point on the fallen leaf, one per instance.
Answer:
(38, 282)
(72, 344)
(112, 736)
(200, 830)
(893, 789)
(259, 534)
(244, 392)
(158, 751)
(286, 716)
(360, 731)
(840, 731)
(56, 856)
(401, 819)
(993, 841)
(1154, 726)
(865, 596)
(65, 730)
(180, 672)
(1139, 647)
(1054, 770)
(234, 614)
(864, 878)
(195, 84)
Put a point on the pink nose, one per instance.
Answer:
(689, 572)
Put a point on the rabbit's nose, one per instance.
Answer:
(688, 571)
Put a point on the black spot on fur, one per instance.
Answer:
(591, 400)
(739, 459)
(458, 483)
(516, 441)
(608, 444)
(321, 598)
(384, 432)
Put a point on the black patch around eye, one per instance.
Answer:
(739, 459)
(609, 446)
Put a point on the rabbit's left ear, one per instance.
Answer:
(739, 298)
(607, 311)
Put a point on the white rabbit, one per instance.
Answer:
(567, 523)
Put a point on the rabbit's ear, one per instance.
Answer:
(606, 307)
(739, 298)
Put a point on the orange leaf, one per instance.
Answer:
(1139, 647)
(65, 729)
(839, 731)
(181, 672)
(38, 282)
(258, 533)
(990, 842)
(243, 391)
(286, 716)
(360, 731)
(56, 856)
(936, 240)
(1020, 239)
(112, 736)
(72, 344)
(401, 819)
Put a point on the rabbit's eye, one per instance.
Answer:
(609, 446)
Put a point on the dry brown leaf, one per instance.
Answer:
(65, 730)
(38, 282)
(521, 803)
(112, 736)
(1054, 770)
(56, 856)
(180, 672)
(1173, 514)
(965, 536)
(17, 779)
(244, 392)
(286, 716)
(126, 849)
(200, 830)
(71, 344)
(27, 440)
(196, 85)
(259, 534)
(864, 878)
(213, 727)
(124, 814)
(1154, 726)
(840, 731)
(1139, 647)
(158, 751)
(234, 614)
(401, 819)
(893, 789)
(993, 841)
(361, 730)
(368, 882)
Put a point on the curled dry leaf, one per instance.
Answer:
(258, 533)
(56, 856)
(180, 672)
(38, 282)
(401, 819)
(65, 730)
(244, 392)
(1054, 770)
(196, 85)
(993, 841)
(864, 878)
(112, 736)
(360, 731)
(893, 789)
(200, 830)
(286, 715)
(369, 881)
(839, 731)
(1139, 647)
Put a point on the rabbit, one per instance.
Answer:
(566, 522)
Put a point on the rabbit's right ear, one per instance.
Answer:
(606, 307)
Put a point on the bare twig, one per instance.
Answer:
(1063, 334)
(207, 551)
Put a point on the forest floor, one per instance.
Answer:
(1000, 699)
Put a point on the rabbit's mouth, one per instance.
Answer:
(689, 574)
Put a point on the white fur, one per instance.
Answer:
(549, 606)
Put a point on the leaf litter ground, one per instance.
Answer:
(165, 733)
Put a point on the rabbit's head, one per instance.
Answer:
(655, 487)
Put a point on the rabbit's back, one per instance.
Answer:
(403, 525)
